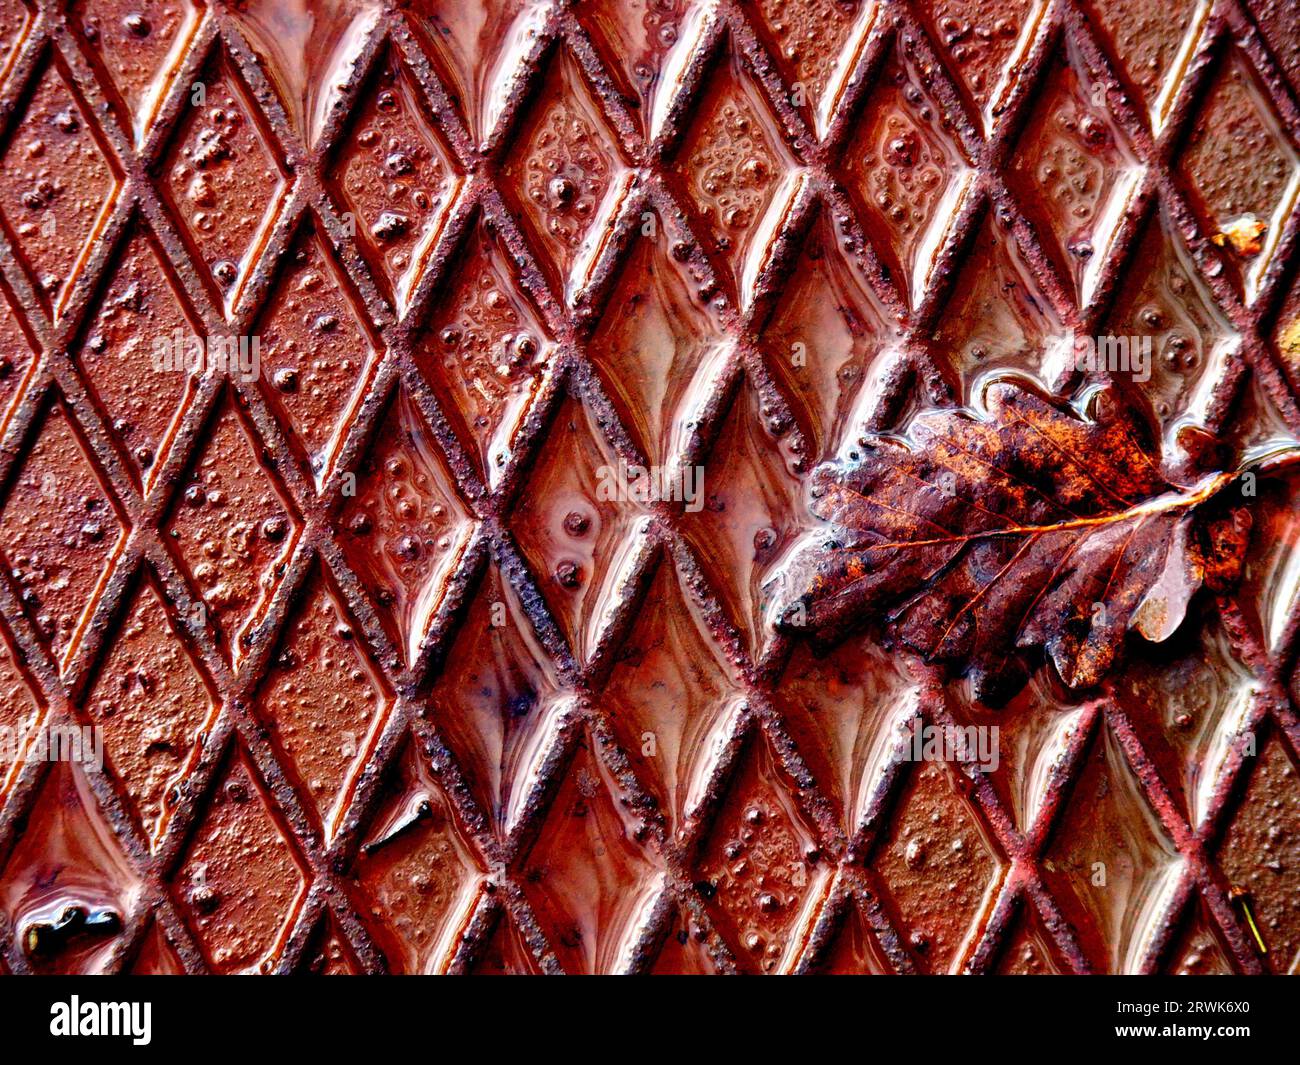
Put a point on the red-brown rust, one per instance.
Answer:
(329, 751)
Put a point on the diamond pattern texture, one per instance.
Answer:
(386, 679)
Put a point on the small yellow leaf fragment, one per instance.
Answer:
(1242, 898)
(1288, 339)
(1243, 234)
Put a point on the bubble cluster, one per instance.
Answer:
(240, 881)
(393, 177)
(222, 179)
(54, 185)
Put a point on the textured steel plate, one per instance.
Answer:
(387, 680)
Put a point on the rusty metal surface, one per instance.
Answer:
(386, 685)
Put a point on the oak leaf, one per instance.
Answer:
(980, 538)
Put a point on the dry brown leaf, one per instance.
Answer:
(980, 538)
